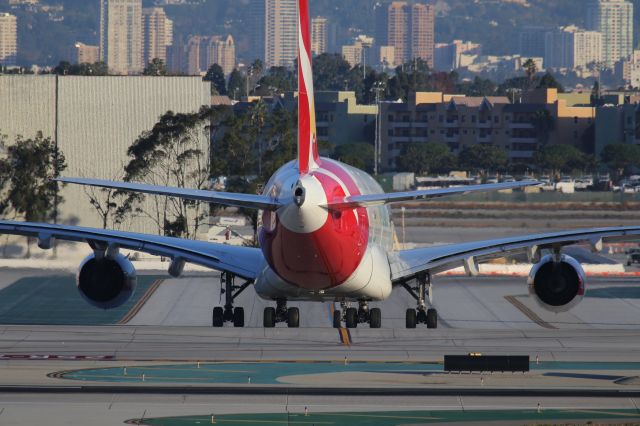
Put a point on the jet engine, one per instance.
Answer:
(557, 286)
(106, 282)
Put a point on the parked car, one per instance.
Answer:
(492, 179)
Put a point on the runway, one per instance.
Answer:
(171, 332)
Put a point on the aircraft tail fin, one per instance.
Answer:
(307, 139)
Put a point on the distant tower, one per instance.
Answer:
(614, 20)
(158, 34)
(121, 35)
(256, 30)
(398, 31)
(319, 35)
(222, 51)
(422, 32)
(281, 32)
(8, 39)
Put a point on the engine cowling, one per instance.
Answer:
(557, 286)
(106, 282)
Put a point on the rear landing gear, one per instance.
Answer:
(229, 313)
(421, 315)
(281, 313)
(361, 315)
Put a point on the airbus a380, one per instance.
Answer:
(326, 237)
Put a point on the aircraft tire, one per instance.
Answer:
(375, 318)
(351, 318)
(337, 318)
(217, 319)
(411, 318)
(432, 318)
(238, 317)
(269, 317)
(293, 317)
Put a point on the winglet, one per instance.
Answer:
(307, 141)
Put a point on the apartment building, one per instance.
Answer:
(459, 121)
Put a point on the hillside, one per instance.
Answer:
(494, 23)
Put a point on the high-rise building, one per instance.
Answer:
(281, 32)
(532, 41)
(398, 31)
(87, 54)
(256, 30)
(121, 35)
(8, 39)
(571, 47)
(381, 11)
(158, 34)
(410, 30)
(319, 35)
(459, 54)
(614, 20)
(222, 51)
(193, 56)
(422, 32)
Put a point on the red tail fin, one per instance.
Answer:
(307, 142)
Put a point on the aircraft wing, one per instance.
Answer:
(231, 199)
(373, 200)
(406, 264)
(245, 262)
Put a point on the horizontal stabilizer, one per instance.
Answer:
(260, 202)
(373, 200)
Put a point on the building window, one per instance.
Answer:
(496, 119)
(433, 131)
(441, 119)
(390, 132)
(464, 131)
(575, 120)
(390, 117)
(473, 118)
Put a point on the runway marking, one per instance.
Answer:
(529, 313)
(145, 297)
(343, 333)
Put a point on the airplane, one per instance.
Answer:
(327, 236)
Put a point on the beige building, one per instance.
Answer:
(121, 36)
(87, 54)
(355, 53)
(281, 33)
(8, 39)
(319, 36)
(387, 56)
(423, 32)
(411, 30)
(571, 47)
(221, 51)
(158, 34)
(459, 121)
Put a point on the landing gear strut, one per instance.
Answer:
(421, 314)
(228, 313)
(281, 313)
(352, 316)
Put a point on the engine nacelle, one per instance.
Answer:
(557, 286)
(106, 282)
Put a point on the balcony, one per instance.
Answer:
(483, 139)
(484, 124)
(404, 124)
(452, 138)
(520, 125)
(452, 124)
(523, 139)
(393, 139)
